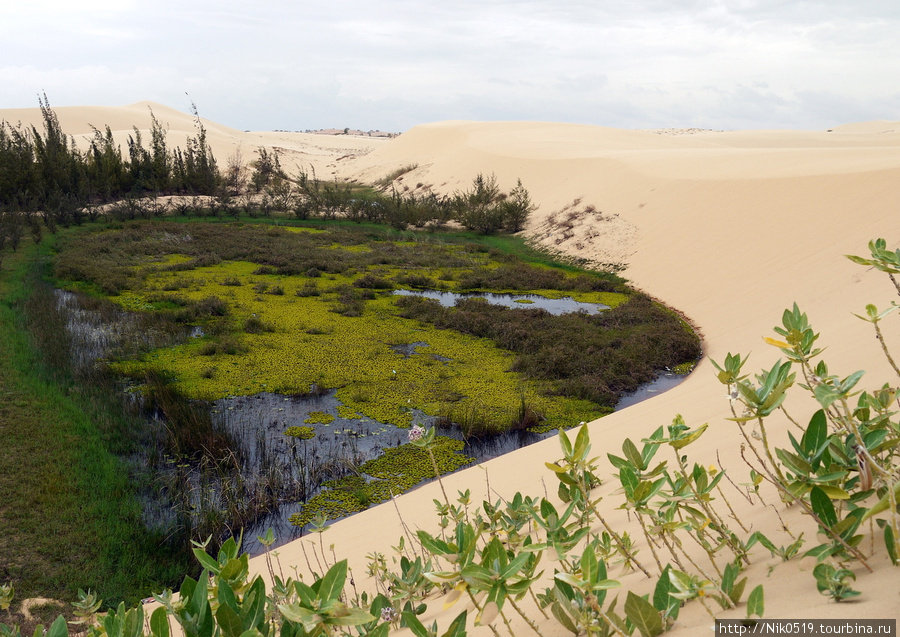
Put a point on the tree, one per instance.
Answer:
(516, 208)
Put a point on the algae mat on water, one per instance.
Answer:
(290, 312)
(307, 344)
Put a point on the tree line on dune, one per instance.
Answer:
(44, 171)
(47, 181)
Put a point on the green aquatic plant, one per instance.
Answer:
(396, 470)
(301, 433)
(319, 417)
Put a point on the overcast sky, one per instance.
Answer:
(391, 64)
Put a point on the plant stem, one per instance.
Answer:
(733, 514)
(884, 348)
(506, 623)
(631, 559)
(650, 542)
(591, 599)
(438, 475)
(403, 524)
(714, 519)
(537, 603)
(534, 627)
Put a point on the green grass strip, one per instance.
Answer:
(69, 518)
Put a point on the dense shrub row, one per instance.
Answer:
(596, 357)
(44, 170)
(43, 175)
(105, 258)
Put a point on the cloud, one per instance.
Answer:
(394, 64)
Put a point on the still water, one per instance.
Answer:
(554, 306)
(260, 421)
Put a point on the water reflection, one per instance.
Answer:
(365, 438)
(553, 306)
(663, 383)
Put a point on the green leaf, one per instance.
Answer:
(565, 444)
(756, 602)
(457, 627)
(822, 507)
(616, 461)
(825, 395)
(134, 623)
(159, 623)
(691, 437)
(382, 630)
(305, 617)
(816, 433)
(229, 621)
(890, 544)
(227, 596)
(848, 526)
(58, 628)
(236, 568)
(477, 576)
(563, 618)
(199, 602)
(651, 447)
(737, 591)
(187, 588)
(643, 615)
(332, 585)
(821, 552)
(662, 595)
(729, 576)
(434, 545)
(850, 382)
(883, 504)
(629, 481)
(835, 493)
(569, 579)
(515, 565)
(229, 550)
(631, 452)
(206, 561)
(793, 462)
(589, 566)
(681, 582)
(254, 608)
(351, 617)
(582, 444)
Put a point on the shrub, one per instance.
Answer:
(255, 325)
(373, 282)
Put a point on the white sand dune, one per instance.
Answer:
(730, 228)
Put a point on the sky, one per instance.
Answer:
(391, 64)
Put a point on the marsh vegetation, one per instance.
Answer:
(311, 311)
(177, 301)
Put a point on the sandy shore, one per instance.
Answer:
(730, 228)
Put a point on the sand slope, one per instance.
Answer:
(730, 228)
